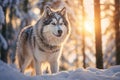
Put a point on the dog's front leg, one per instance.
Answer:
(38, 68)
(54, 66)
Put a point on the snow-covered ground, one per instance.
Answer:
(9, 73)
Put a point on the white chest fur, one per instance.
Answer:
(43, 56)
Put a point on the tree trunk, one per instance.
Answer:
(117, 30)
(83, 34)
(25, 6)
(4, 29)
(98, 43)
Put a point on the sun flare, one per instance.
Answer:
(89, 26)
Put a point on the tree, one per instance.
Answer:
(4, 29)
(83, 34)
(117, 30)
(7, 28)
(98, 43)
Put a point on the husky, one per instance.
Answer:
(43, 42)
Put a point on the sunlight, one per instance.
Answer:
(89, 26)
(89, 23)
(88, 5)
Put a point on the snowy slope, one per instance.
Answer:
(113, 73)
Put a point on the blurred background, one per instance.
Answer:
(95, 30)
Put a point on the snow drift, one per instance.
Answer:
(9, 73)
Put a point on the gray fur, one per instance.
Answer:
(43, 42)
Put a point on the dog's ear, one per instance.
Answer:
(63, 11)
(48, 10)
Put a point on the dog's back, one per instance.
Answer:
(24, 45)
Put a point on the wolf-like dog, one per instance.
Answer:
(43, 42)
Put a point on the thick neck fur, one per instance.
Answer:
(42, 44)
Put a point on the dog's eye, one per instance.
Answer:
(53, 23)
(61, 23)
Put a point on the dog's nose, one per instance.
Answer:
(59, 32)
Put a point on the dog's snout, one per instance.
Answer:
(60, 32)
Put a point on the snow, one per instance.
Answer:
(1, 15)
(9, 73)
(3, 42)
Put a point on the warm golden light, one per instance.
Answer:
(89, 16)
(89, 26)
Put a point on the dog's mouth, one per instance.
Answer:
(57, 35)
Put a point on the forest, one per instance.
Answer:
(95, 30)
